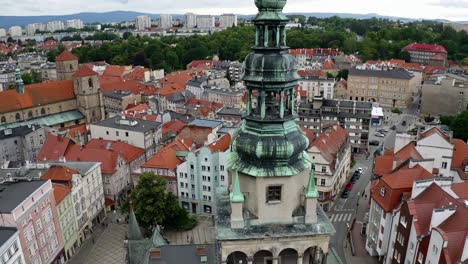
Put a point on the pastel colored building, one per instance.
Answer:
(10, 247)
(30, 207)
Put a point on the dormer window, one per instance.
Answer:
(382, 192)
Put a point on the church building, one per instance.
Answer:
(73, 99)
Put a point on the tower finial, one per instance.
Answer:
(311, 190)
(19, 82)
(236, 194)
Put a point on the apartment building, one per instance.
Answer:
(317, 86)
(165, 21)
(331, 154)
(353, 116)
(142, 22)
(190, 20)
(21, 144)
(227, 20)
(201, 173)
(205, 21)
(118, 101)
(15, 31)
(392, 88)
(445, 94)
(10, 246)
(229, 97)
(29, 206)
(427, 54)
(143, 134)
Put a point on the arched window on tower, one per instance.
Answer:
(42, 112)
(71, 67)
(30, 114)
(18, 117)
(90, 82)
(3, 120)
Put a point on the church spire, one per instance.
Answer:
(236, 194)
(134, 232)
(311, 190)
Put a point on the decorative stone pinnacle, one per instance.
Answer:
(311, 190)
(236, 194)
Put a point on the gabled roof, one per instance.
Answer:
(39, 94)
(166, 158)
(54, 147)
(460, 158)
(114, 71)
(328, 65)
(222, 144)
(84, 71)
(77, 130)
(66, 56)
(59, 173)
(128, 152)
(174, 126)
(330, 141)
(395, 185)
(137, 73)
(461, 190)
(60, 192)
(389, 161)
(434, 130)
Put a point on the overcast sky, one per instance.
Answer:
(443, 9)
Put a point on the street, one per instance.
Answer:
(355, 206)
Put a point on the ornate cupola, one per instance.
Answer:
(269, 142)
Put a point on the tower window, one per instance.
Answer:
(273, 194)
(90, 83)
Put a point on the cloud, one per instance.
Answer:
(451, 3)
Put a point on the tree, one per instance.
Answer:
(342, 74)
(27, 78)
(465, 61)
(153, 205)
(460, 126)
(127, 35)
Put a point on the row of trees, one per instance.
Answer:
(458, 124)
(371, 39)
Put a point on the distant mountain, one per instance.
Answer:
(119, 16)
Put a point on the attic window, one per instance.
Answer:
(382, 192)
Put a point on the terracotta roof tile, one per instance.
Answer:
(330, 141)
(434, 130)
(221, 145)
(396, 184)
(84, 71)
(114, 71)
(60, 192)
(426, 48)
(166, 158)
(460, 158)
(59, 173)
(36, 95)
(74, 131)
(127, 151)
(54, 147)
(174, 126)
(66, 56)
(137, 73)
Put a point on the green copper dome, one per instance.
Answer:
(270, 4)
(269, 142)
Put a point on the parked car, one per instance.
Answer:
(345, 194)
(382, 131)
(378, 134)
(374, 142)
(393, 127)
(359, 170)
(349, 186)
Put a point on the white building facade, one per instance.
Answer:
(10, 250)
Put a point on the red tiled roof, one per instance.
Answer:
(317, 73)
(60, 192)
(460, 158)
(396, 184)
(84, 71)
(54, 148)
(174, 126)
(212, 105)
(128, 152)
(78, 130)
(59, 173)
(310, 135)
(110, 84)
(137, 108)
(222, 144)
(426, 48)
(432, 131)
(328, 65)
(39, 94)
(166, 158)
(330, 141)
(66, 56)
(200, 63)
(114, 71)
(137, 74)
(383, 165)
(460, 189)
(433, 69)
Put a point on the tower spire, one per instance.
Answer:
(134, 232)
(236, 194)
(311, 190)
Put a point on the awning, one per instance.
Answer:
(109, 201)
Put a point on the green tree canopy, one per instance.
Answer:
(153, 205)
(459, 126)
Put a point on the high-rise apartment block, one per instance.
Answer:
(228, 20)
(15, 31)
(205, 21)
(165, 21)
(190, 20)
(142, 22)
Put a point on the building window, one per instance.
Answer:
(181, 175)
(322, 182)
(182, 185)
(435, 249)
(191, 166)
(221, 167)
(117, 133)
(324, 169)
(126, 134)
(273, 194)
(420, 257)
(403, 220)
(382, 192)
(382, 229)
(222, 177)
(203, 168)
(193, 186)
(444, 165)
(107, 132)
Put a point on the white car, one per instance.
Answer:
(378, 134)
(359, 169)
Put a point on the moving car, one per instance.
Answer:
(345, 194)
(374, 143)
(378, 134)
(349, 186)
